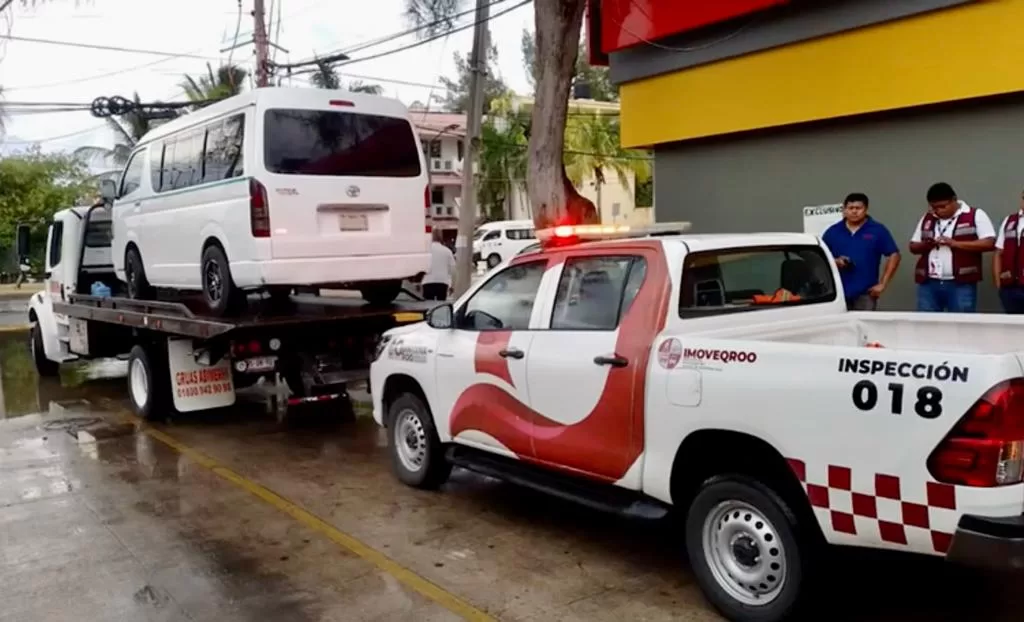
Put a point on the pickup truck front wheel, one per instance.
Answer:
(417, 456)
(745, 550)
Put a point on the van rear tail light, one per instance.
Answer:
(259, 210)
(986, 447)
(426, 209)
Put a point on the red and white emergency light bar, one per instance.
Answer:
(572, 234)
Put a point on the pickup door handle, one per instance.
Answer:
(511, 353)
(614, 361)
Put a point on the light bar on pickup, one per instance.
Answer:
(568, 233)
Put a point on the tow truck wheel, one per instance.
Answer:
(493, 260)
(149, 385)
(44, 366)
(746, 550)
(417, 456)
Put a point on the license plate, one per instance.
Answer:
(260, 364)
(352, 222)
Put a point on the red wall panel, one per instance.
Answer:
(624, 23)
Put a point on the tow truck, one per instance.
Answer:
(720, 381)
(306, 348)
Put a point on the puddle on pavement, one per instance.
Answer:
(24, 392)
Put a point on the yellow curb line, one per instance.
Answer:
(17, 328)
(426, 588)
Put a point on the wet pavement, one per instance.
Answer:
(236, 517)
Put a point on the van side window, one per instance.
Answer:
(519, 234)
(748, 279)
(168, 167)
(223, 153)
(156, 165)
(492, 235)
(56, 241)
(132, 178)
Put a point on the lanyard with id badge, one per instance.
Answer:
(934, 257)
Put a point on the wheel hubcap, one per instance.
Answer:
(410, 440)
(214, 285)
(744, 552)
(140, 383)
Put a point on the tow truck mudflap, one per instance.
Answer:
(994, 543)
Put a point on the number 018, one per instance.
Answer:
(927, 405)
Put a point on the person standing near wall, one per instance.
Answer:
(438, 279)
(950, 241)
(1008, 262)
(858, 242)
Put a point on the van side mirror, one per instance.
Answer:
(441, 317)
(108, 190)
(24, 248)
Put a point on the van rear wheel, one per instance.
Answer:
(381, 293)
(219, 291)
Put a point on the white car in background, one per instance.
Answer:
(274, 189)
(499, 241)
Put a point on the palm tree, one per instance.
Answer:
(226, 81)
(594, 148)
(502, 164)
(325, 77)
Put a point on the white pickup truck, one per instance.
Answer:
(721, 375)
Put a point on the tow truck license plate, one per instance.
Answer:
(352, 222)
(260, 364)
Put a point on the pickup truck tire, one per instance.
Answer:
(44, 366)
(149, 382)
(417, 456)
(746, 550)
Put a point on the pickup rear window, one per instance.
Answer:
(749, 279)
(329, 143)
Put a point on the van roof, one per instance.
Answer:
(273, 97)
(506, 223)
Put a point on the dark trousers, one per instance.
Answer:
(1012, 299)
(435, 291)
(864, 302)
(948, 296)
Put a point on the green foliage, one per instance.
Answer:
(601, 87)
(456, 97)
(594, 147)
(33, 186)
(326, 77)
(644, 194)
(226, 81)
(502, 166)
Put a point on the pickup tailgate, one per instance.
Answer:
(880, 438)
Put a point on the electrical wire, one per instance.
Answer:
(47, 85)
(238, 26)
(109, 48)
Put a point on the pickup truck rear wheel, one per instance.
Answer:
(417, 456)
(745, 547)
(149, 381)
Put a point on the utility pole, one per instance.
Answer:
(467, 207)
(262, 44)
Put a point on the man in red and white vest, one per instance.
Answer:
(1008, 263)
(950, 241)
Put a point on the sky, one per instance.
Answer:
(36, 72)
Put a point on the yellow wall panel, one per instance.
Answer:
(960, 53)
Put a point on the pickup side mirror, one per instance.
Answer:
(108, 190)
(441, 317)
(24, 246)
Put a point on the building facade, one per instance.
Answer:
(757, 109)
(443, 138)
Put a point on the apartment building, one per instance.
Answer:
(443, 137)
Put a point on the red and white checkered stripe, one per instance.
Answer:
(887, 512)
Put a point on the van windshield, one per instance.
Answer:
(335, 144)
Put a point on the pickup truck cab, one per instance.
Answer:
(723, 377)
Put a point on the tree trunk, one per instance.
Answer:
(553, 198)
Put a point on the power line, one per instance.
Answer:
(109, 48)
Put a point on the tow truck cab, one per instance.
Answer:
(724, 377)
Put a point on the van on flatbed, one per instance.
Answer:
(181, 358)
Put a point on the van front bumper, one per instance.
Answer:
(988, 542)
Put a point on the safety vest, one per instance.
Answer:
(966, 264)
(1012, 255)
(780, 295)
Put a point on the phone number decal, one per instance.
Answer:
(218, 388)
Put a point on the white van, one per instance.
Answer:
(499, 241)
(273, 189)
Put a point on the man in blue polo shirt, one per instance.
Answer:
(858, 243)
